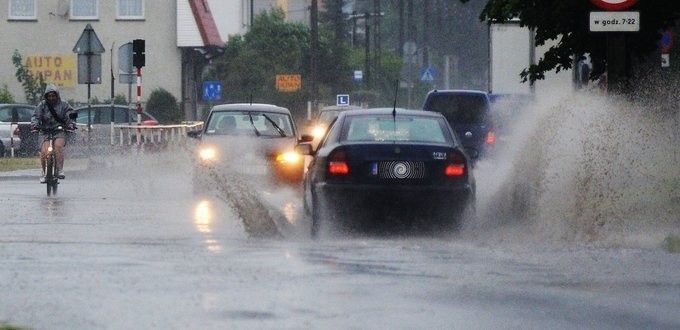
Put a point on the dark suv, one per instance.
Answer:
(468, 113)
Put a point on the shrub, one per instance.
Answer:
(163, 105)
(6, 96)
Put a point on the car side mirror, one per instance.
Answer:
(306, 138)
(304, 149)
(194, 134)
(472, 153)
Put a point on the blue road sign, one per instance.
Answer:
(666, 41)
(212, 90)
(427, 74)
(358, 76)
(342, 100)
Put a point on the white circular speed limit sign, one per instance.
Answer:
(613, 4)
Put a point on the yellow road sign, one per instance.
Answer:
(288, 82)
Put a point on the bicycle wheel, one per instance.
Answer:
(50, 175)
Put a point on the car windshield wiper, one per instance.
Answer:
(277, 127)
(253, 124)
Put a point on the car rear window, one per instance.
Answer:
(16, 114)
(386, 128)
(459, 108)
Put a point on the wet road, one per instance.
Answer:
(142, 252)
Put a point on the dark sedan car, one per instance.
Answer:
(389, 170)
(469, 113)
(255, 141)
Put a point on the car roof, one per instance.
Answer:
(101, 106)
(250, 107)
(457, 91)
(388, 111)
(340, 108)
(16, 104)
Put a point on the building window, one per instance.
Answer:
(22, 10)
(130, 9)
(84, 9)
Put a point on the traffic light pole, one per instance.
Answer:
(138, 61)
(139, 105)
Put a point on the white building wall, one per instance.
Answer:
(54, 34)
(233, 17)
(188, 34)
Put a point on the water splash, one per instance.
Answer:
(584, 168)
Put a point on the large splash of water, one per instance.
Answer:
(584, 167)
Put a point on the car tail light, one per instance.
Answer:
(455, 165)
(490, 137)
(16, 131)
(337, 163)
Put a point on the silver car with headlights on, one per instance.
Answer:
(252, 141)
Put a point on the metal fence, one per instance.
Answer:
(102, 139)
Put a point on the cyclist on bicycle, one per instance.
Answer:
(51, 113)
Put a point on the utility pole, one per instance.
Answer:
(354, 28)
(314, 67)
(252, 13)
(378, 52)
(367, 61)
(367, 42)
(427, 21)
(400, 45)
(411, 30)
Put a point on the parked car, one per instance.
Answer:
(97, 140)
(256, 141)
(385, 168)
(15, 125)
(101, 114)
(468, 112)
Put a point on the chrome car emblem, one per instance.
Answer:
(401, 170)
(438, 155)
(468, 134)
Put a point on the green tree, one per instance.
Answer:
(250, 63)
(567, 22)
(33, 87)
(163, 105)
(6, 96)
(273, 46)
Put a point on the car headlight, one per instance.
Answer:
(207, 154)
(318, 131)
(290, 157)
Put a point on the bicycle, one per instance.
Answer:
(51, 170)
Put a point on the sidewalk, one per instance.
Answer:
(71, 166)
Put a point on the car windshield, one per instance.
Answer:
(459, 108)
(386, 128)
(264, 124)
